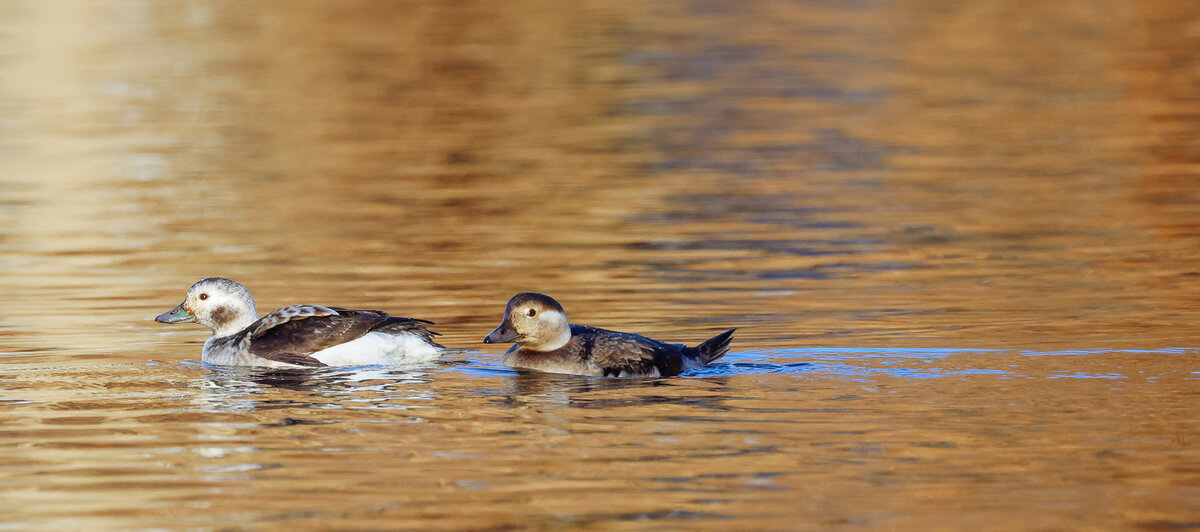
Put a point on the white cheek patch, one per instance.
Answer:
(557, 330)
(554, 317)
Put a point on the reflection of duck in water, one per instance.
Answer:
(248, 388)
(546, 341)
(299, 335)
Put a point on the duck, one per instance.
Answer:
(298, 335)
(546, 341)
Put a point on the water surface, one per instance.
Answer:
(960, 244)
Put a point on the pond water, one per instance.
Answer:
(961, 244)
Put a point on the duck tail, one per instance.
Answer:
(417, 326)
(715, 347)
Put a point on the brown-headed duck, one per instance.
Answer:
(546, 341)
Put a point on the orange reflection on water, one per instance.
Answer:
(959, 242)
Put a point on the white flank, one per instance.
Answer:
(376, 348)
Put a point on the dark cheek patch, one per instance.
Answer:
(221, 315)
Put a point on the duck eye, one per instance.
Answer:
(203, 297)
(532, 312)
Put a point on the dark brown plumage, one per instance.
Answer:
(618, 354)
(547, 342)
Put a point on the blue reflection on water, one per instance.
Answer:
(858, 364)
(832, 361)
(1078, 352)
(912, 363)
(1083, 375)
(853, 353)
(748, 368)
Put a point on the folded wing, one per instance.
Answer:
(630, 355)
(292, 334)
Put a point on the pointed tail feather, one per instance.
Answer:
(715, 347)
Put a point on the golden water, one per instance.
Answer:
(960, 242)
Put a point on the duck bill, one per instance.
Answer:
(175, 315)
(502, 335)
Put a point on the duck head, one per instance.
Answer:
(534, 321)
(222, 305)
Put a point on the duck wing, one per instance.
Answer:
(292, 334)
(620, 354)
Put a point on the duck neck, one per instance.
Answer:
(226, 321)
